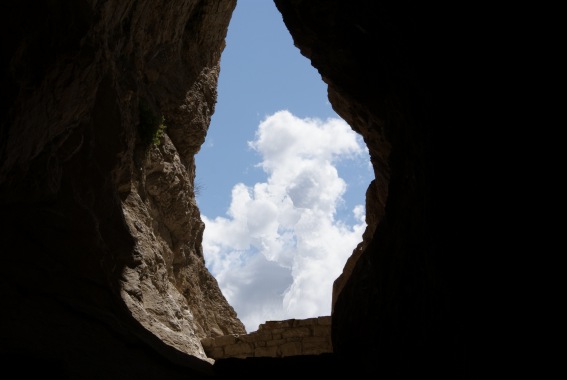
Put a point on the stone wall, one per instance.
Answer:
(291, 337)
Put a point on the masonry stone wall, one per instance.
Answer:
(290, 337)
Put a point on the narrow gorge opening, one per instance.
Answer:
(281, 177)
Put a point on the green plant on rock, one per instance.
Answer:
(152, 127)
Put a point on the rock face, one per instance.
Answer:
(404, 76)
(101, 235)
(104, 105)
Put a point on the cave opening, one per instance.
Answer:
(281, 177)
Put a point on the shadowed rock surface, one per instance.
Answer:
(102, 271)
(406, 76)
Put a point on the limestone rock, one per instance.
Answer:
(101, 234)
(102, 273)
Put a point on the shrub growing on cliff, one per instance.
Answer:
(197, 188)
(152, 126)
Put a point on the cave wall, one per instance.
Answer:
(403, 75)
(103, 272)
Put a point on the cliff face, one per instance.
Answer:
(104, 105)
(101, 235)
(404, 76)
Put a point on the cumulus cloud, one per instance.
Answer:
(278, 250)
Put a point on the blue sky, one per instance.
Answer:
(283, 177)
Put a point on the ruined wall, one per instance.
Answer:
(292, 337)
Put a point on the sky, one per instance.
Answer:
(282, 177)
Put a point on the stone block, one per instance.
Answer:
(324, 321)
(257, 336)
(276, 324)
(296, 332)
(208, 342)
(290, 349)
(321, 330)
(318, 344)
(266, 351)
(275, 342)
(225, 340)
(239, 349)
(305, 322)
(316, 339)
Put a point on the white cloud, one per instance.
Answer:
(279, 249)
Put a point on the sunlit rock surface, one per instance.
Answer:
(101, 236)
